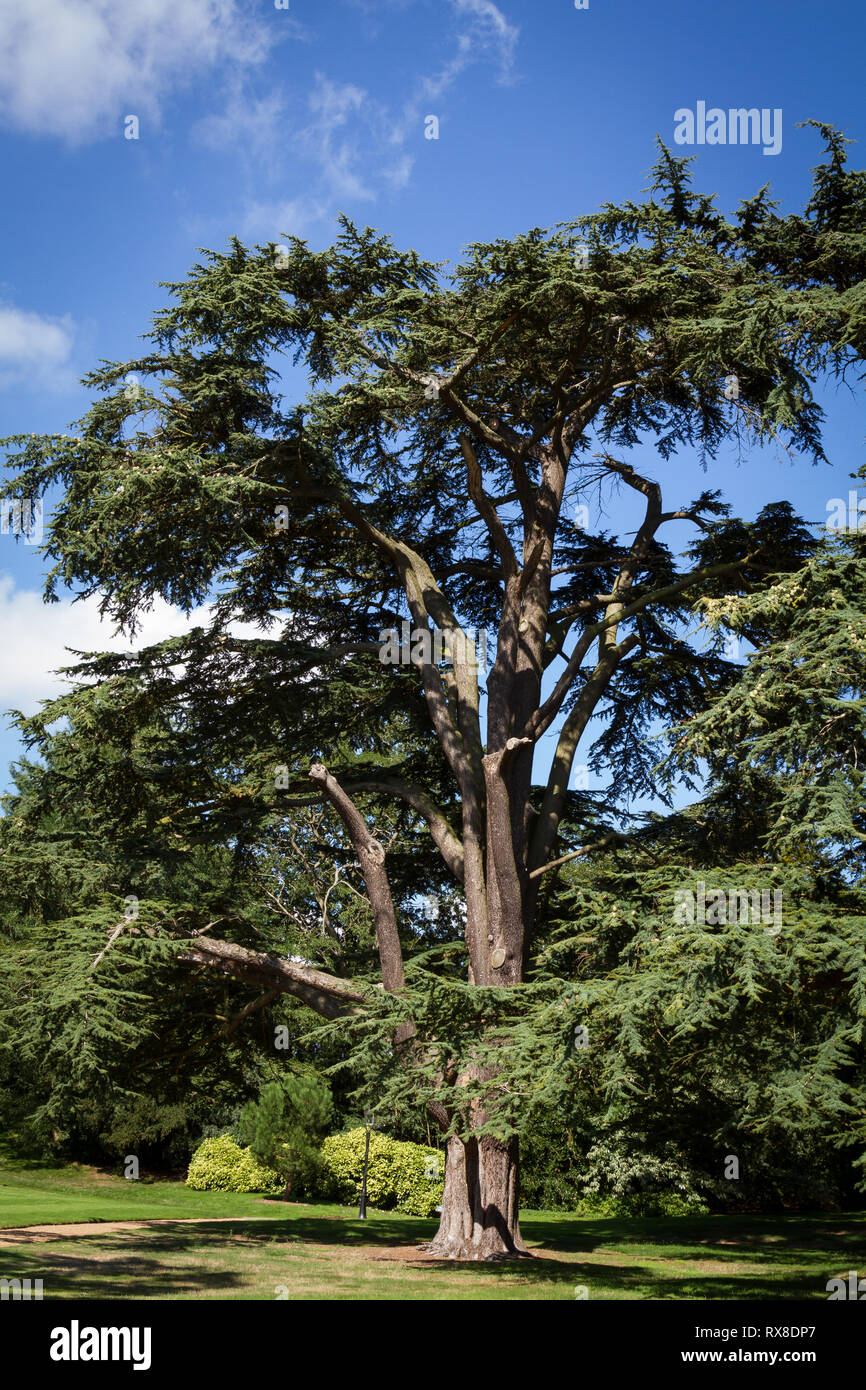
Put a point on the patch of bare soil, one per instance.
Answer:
(407, 1254)
(23, 1235)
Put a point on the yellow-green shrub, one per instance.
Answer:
(395, 1176)
(221, 1165)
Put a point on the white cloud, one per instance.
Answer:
(35, 348)
(284, 217)
(490, 28)
(34, 637)
(353, 137)
(340, 110)
(74, 68)
(344, 133)
(253, 123)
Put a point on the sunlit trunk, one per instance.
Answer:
(480, 1202)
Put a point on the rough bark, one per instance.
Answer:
(480, 1202)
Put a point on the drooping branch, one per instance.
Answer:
(325, 994)
(318, 655)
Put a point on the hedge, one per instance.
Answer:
(221, 1165)
(396, 1175)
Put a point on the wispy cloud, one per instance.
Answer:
(484, 34)
(359, 144)
(74, 68)
(340, 112)
(271, 221)
(250, 123)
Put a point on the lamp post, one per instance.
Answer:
(362, 1210)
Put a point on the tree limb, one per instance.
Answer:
(372, 860)
(326, 994)
(447, 842)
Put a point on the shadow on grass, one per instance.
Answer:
(94, 1275)
(178, 1260)
(719, 1237)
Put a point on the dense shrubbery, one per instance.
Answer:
(632, 1181)
(570, 1163)
(561, 1169)
(396, 1174)
(221, 1165)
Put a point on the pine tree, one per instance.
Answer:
(286, 1125)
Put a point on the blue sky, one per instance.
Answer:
(264, 122)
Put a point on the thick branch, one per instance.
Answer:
(569, 738)
(486, 510)
(326, 994)
(447, 842)
(544, 716)
(503, 874)
(708, 572)
(371, 857)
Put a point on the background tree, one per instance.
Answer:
(452, 421)
(286, 1125)
(105, 1048)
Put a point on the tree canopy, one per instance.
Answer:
(455, 419)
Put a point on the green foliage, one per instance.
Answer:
(642, 1204)
(630, 1181)
(284, 1127)
(158, 767)
(797, 715)
(109, 1045)
(553, 1144)
(396, 1173)
(221, 1165)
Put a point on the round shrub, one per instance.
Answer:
(396, 1176)
(221, 1165)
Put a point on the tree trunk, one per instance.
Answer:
(480, 1201)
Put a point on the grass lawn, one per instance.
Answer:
(269, 1249)
(33, 1193)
